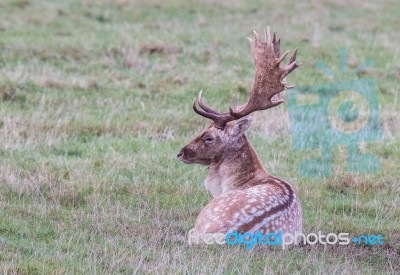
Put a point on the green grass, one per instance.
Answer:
(90, 124)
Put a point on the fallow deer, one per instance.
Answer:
(246, 197)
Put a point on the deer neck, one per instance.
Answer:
(236, 169)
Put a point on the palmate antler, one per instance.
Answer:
(268, 83)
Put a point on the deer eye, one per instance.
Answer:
(208, 140)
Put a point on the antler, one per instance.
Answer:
(268, 83)
(220, 119)
(269, 79)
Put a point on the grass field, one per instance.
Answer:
(95, 103)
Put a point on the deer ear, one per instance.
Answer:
(237, 128)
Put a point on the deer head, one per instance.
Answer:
(227, 132)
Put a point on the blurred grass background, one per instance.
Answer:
(95, 102)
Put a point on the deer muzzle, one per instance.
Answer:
(185, 154)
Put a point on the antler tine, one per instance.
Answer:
(277, 46)
(267, 35)
(201, 112)
(293, 57)
(282, 57)
(220, 119)
(290, 68)
(255, 35)
(204, 106)
(233, 106)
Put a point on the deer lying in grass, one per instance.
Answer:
(246, 197)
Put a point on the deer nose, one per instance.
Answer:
(180, 154)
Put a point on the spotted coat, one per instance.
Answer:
(267, 207)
